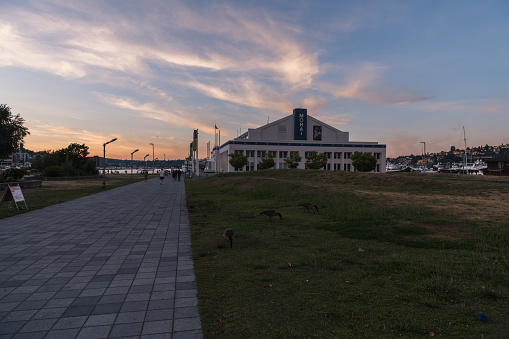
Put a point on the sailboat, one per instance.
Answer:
(473, 168)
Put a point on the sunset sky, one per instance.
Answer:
(395, 72)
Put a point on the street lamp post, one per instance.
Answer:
(136, 150)
(152, 157)
(145, 157)
(104, 165)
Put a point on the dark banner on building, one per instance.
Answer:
(300, 121)
(317, 133)
(195, 140)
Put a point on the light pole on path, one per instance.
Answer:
(152, 157)
(136, 150)
(104, 165)
(145, 157)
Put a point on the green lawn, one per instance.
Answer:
(55, 192)
(388, 255)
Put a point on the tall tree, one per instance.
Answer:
(238, 160)
(267, 163)
(70, 161)
(363, 162)
(12, 131)
(315, 160)
(293, 160)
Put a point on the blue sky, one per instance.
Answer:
(395, 72)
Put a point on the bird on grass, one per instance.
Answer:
(228, 235)
(308, 206)
(271, 213)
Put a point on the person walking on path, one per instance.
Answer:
(145, 174)
(179, 173)
(161, 176)
(174, 175)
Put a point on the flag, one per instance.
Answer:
(215, 126)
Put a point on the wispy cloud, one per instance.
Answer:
(366, 84)
(150, 110)
(61, 136)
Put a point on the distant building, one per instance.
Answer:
(99, 161)
(22, 158)
(497, 166)
(301, 133)
(5, 163)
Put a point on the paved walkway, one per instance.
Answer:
(117, 264)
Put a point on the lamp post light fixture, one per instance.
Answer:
(104, 165)
(152, 157)
(136, 150)
(145, 157)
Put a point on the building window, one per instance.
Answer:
(238, 151)
(283, 154)
(250, 166)
(347, 167)
(328, 167)
(250, 154)
(337, 155)
(274, 153)
(377, 156)
(261, 154)
(329, 154)
(348, 155)
(282, 165)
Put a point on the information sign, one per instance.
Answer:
(13, 193)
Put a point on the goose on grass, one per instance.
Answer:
(228, 235)
(271, 213)
(308, 206)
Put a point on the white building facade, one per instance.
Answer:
(301, 133)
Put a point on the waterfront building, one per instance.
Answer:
(300, 133)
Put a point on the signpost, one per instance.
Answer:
(13, 193)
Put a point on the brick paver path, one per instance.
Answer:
(116, 264)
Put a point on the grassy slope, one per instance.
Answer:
(387, 255)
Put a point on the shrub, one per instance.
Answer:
(12, 174)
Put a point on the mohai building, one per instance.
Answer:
(298, 132)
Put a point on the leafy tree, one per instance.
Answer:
(238, 160)
(315, 160)
(70, 161)
(12, 131)
(293, 160)
(267, 163)
(363, 162)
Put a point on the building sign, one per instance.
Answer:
(317, 133)
(300, 120)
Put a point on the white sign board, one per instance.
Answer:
(17, 194)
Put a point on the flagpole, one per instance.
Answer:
(219, 150)
(215, 145)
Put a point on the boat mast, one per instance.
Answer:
(465, 157)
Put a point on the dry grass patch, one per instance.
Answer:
(437, 231)
(487, 207)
